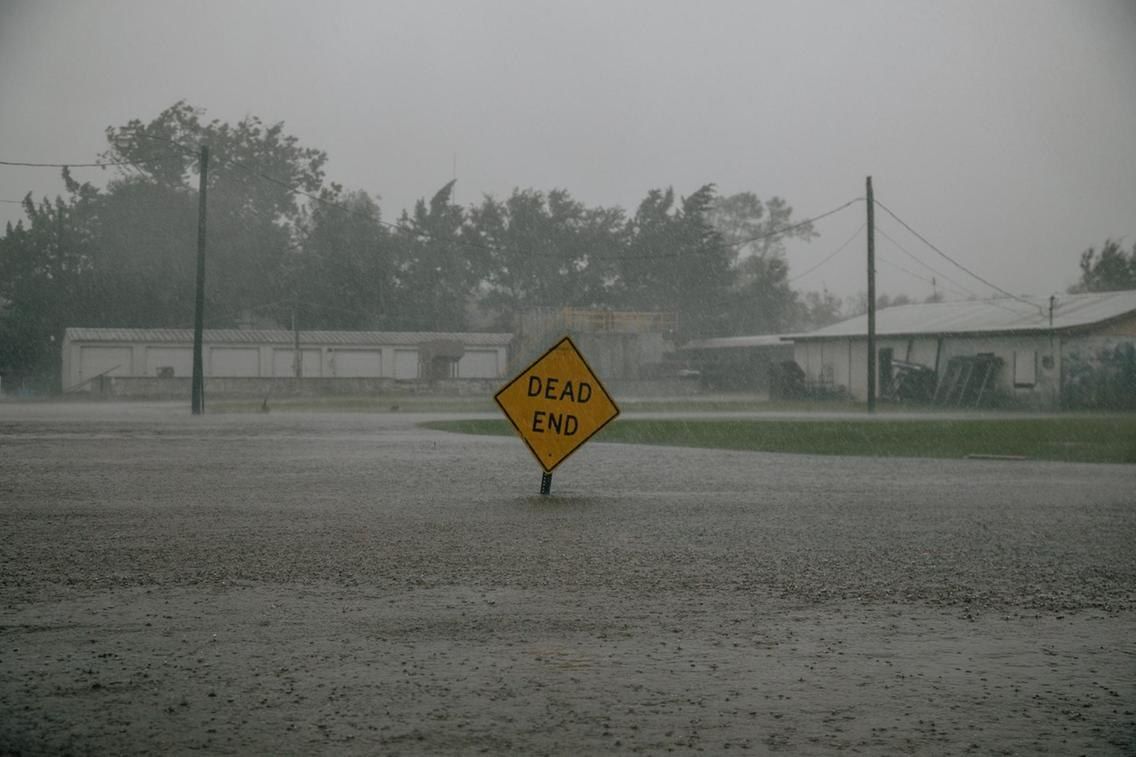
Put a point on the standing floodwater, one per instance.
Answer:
(282, 583)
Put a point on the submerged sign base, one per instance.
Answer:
(556, 404)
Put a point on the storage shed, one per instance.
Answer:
(1071, 350)
(90, 353)
(745, 363)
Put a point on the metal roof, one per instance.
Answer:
(280, 336)
(1005, 315)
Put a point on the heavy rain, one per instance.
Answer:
(567, 378)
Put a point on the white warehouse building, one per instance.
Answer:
(93, 353)
(1044, 352)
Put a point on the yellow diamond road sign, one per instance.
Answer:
(556, 404)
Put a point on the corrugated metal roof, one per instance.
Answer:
(1004, 315)
(280, 336)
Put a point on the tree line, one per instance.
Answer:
(284, 241)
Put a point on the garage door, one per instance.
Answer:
(478, 364)
(100, 361)
(234, 361)
(406, 364)
(357, 363)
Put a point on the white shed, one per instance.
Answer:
(1042, 347)
(89, 353)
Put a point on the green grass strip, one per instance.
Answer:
(1097, 439)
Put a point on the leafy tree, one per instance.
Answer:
(342, 274)
(1112, 270)
(756, 228)
(544, 251)
(436, 265)
(761, 300)
(254, 172)
(42, 290)
(818, 309)
(125, 256)
(677, 261)
(143, 253)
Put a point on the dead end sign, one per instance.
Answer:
(556, 404)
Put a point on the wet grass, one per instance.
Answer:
(392, 403)
(427, 403)
(1093, 439)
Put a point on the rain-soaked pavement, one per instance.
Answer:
(290, 583)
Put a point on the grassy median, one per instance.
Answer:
(1093, 439)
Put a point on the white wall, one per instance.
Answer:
(846, 360)
(83, 361)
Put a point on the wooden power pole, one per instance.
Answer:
(297, 356)
(871, 299)
(198, 391)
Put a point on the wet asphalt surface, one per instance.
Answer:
(352, 584)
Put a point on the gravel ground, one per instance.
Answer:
(351, 584)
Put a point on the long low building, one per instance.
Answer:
(91, 353)
(1072, 350)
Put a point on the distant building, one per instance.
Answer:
(99, 354)
(737, 363)
(1074, 351)
(628, 350)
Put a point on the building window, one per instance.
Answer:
(1025, 368)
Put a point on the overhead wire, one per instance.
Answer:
(957, 287)
(830, 256)
(954, 262)
(402, 228)
(937, 273)
(797, 225)
(28, 164)
(922, 278)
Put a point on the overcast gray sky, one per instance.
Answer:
(1002, 130)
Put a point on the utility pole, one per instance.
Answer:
(58, 331)
(198, 391)
(297, 357)
(871, 298)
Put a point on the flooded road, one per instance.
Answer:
(334, 583)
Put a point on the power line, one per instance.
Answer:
(956, 288)
(937, 273)
(414, 231)
(932, 282)
(954, 262)
(799, 224)
(830, 256)
(100, 164)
